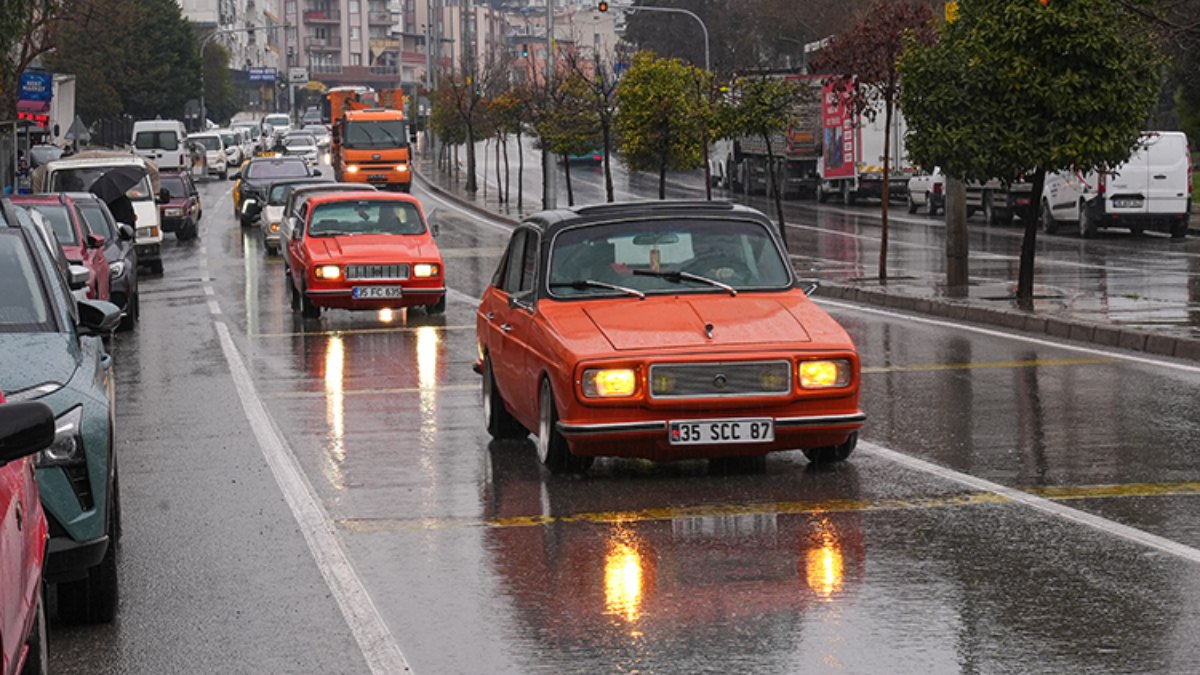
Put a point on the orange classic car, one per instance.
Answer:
(664, 330)
(363, 251)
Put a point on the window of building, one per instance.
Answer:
(355, 6)
(355, 33)
(356, 59)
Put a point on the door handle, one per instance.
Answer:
(1160, 176)
(489, 316)
(505, 327)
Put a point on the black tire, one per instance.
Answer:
(224, 175)
(186, 232)
(307, 309)
(1049, 224)
(1137, 231)
(822, 195)
(933, 210)
(1087, 226)
(94, 598)
(912, 205)
(438, 307)
(551, 445)
(500, 424)
(156, 266)
(833, 453)
(293, 294)
(132, 314)
(37, 660)
(1179, 230)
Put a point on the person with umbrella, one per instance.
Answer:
(112, 187)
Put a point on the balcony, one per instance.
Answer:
(331, 43)
(323, 16)
(379, 18)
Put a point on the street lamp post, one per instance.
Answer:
(675, 10)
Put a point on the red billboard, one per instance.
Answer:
(840, 148)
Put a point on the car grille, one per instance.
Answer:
(730, 379)
(357, 272)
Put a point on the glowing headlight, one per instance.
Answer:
(824, 374)
(425, 270)
(353, 168)
(173, 213)
(328, 272)
(67, 447)
(402, 167)
(274, 227)
(610, 382)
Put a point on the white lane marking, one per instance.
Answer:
(1046, 506)
(378, 645)
(913, 318)
(214, 308)
(462, 297)
(208, 290)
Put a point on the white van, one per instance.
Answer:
(76, 174)
(1150, 191)
(161, 141)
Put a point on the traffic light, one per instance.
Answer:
(524, 51)
(603, 6)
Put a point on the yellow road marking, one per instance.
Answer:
(359, 331)
(1028, 363)
(374, 392)
(1066, 492)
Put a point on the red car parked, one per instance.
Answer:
(78, 242)
(25, 428)
(363, 250)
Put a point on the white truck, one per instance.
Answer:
(853, 144)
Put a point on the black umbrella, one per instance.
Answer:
(113, 184)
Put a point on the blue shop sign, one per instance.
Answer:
(36, 86)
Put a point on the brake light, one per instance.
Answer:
(1102, 184)
(937, 188)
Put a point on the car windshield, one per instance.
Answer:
(156, 140)
(24, 307)
(80, 179)
(60, 222)
(174, 185)
(277, 121)
(665, 257)
(300, 142)
(375, 134)
(277, 168)
(209, 142)
(365, 217)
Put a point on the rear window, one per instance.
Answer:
(25, 307)
(276, 169)
(173, 185)
(60, 222)
(156, 140)
(209, 142)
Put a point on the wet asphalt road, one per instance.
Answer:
(932, 550)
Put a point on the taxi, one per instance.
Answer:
(666, 331)
(363, 251)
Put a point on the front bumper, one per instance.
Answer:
(69, 560)
(147, 252)
(342, 298)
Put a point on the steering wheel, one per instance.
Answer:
(718, 267)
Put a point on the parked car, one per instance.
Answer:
(662, 330)
(79, 278)
(25, 429)
(256, 178)
(80, 244)
(363, 251)
(927, 190)
(270, 219)
(162, 142)
(121, 253)
(302, 145)
(181, 213)
(214, 152)
(1150, 191)
(51, 351)
(233, 147)
(78, 172)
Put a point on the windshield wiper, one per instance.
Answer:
(679, 276)
(591, 283)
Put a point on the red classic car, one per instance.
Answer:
(25, 428)
(79, 244)
(665, 330)
(363, 250)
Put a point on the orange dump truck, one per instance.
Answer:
(370, 144)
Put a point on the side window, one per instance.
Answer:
(302, 216)
(512, 266)
(95, 221)
(529, 262)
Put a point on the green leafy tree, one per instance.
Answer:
(1017, 88)
(657, 128)
(569, 124)
(761, 107)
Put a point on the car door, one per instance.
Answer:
(294, 254)
(514, 324)
(97, 259)
(1167, 174)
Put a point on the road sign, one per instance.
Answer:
(297, 76)
(262, 74)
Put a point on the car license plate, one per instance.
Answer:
(369, 292)
(1127, 203)
(377, 178)
(717, 432)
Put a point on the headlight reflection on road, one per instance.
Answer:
(335, 407)
(623, 578)
(428, 343)
(825, 570)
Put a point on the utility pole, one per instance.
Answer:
(549, 174)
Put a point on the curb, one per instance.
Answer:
(1055, 327)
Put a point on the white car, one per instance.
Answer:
(319, 132)
(928, 190)
(234, 153)
(302, 145)
(275, 127)
(214, 150)
(1152, 190)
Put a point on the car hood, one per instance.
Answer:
(681, 321)
(372, 247)
(30, 359)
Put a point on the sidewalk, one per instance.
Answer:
(1086, 319)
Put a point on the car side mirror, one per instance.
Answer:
(96, 241)
(433, 219)
(78, 277)
(809, 286)
(522, 300)
(235, 175)
(97, 317)
(297, 230)
(25, 428)
(125, 232)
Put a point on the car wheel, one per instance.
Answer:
(933, 211)
(499, 422)
(912, 204)
(293, 294)
(224, 175)
(37, 658)
(1049, 224)
(156, 266)
(186, 232)
(551, 445)
(1087, 226)
(1179, 230)
(308, 310)
(93, 599)
(833, 453)
(130, 319)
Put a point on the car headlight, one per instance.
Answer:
(173, 213)
(327, 272)
(147, 232)
(67, 447)
(353, 168)
(274, 227)
(116, 268)
(824, 374)
(609, 382)
(402, 167)
(425, 270)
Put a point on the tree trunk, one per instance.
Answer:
(707, 172)
(773, 186)
(507, 174)
(606, 129)
(570, 191)
(472, 186)
(499, 179)
(888, 108)
(520, 174)
(1029, 243)
(484, 171)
